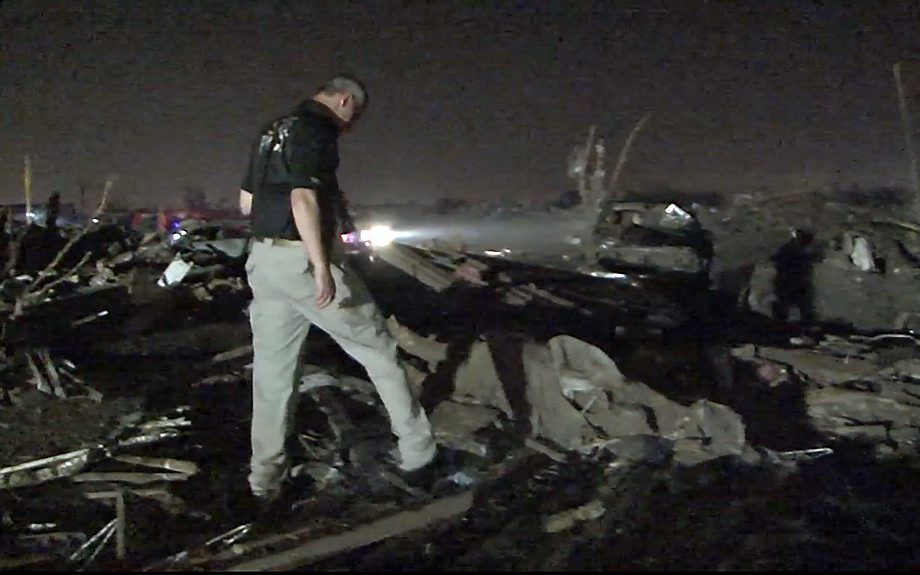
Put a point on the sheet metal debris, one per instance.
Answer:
(48, 468)
(175, 272)
(90, 550)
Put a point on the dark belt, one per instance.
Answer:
(281, 242)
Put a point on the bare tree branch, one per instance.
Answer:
(34, 290)
(624, 153)
(27, 185)
(21, 302)
(593, 208)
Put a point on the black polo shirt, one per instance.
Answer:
(299, 150)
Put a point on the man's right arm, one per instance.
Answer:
(305, 208)
(308, 151)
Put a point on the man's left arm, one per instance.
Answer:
(248, 185)
(245, 202)
(343, 214)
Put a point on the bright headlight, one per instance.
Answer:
(378, 236)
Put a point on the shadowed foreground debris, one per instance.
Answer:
(634, 405)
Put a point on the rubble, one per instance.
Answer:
(131, 478)
(48, 468)
(455, 425)
(677, 259)
(428, 349)
(242, 351)
(852, 398)
(60, 543)
(578, 399)
(86, 553)
(364, 535)
(417, 266)
(581, 403)
(817, 366)
(567, 519)
(863, 277)
(650, 237)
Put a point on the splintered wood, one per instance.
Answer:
(362, 536)
(417, 266)
(429, 349)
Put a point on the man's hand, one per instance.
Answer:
(348, 224)
(325, 287)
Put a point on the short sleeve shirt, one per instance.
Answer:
(297, 151)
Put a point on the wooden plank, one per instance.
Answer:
(556, 456)
(128, 477)
(234, 353)
(120, 526)
(419, 267)
(178, 465)
(393, 526)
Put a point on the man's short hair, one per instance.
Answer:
(343, 83)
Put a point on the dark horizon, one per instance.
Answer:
(470, 101)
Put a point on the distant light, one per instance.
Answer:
(609, 275)
(378, 236)
(95, 220)
(183, 232)
(493, 253)
(176, 236)
(103, 313)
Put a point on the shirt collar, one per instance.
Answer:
(314, 108)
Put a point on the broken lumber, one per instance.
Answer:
(903, 225)
(547, 451)
(41, 470)
(232, 354)
(127, 477)
(393, 526)
(113, 494)
(429, 349)
(419, 267)
(532, 289)
(179, 465)
(567, 519)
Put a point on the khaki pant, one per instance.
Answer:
(282, 310)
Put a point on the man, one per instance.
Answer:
(299, 279)
(53, 211)
(794, 262)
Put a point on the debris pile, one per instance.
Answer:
(574, 396)
(93, 282)
(855, 390)
(671, 397)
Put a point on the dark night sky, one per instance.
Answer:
(474, 99)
